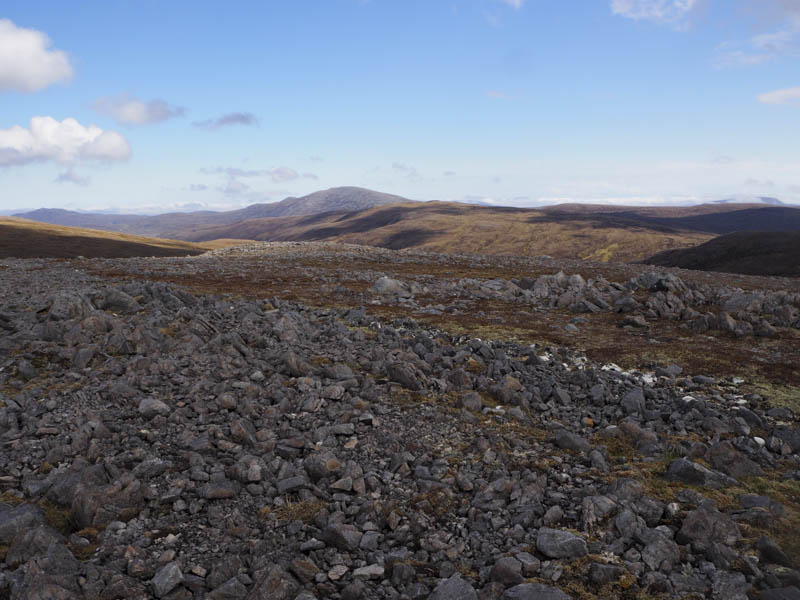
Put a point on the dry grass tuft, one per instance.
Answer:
(299, 510)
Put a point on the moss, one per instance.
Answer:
(777, 394)
(58, 517)
(435, 503)
(9, 498)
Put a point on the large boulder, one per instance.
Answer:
(706, 524)
(454, 588)
(687, 471)
(556, 543)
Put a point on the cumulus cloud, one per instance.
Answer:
(660, 11)
(129, 110)
(786, 96)
(227, 120)
(66, 142)
(70, 176)
(27, 61)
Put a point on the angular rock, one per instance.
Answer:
(454, 588)
(687, 471)
(166, 579)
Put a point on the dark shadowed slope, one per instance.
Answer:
(708, 218)
(181, 225)
(749, 253)
(20, 238)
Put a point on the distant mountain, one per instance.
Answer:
(747, 252)
(180, 225)
(754, 200)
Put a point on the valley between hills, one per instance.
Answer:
(423, 401)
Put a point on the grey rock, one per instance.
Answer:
(454, 588)
(507, 571)
(706, 524)
(660, 551)
(687, 471)
(342, 536)
(557, 543)
(150, 407)
(534, 591)
(572, 441)
(18, 520)
(166, 579)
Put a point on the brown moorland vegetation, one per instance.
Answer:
(21, 238)
(453, 227)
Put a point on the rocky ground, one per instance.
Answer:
(298, 421)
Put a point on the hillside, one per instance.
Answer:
(453, 227)
(179, 225)
(20, 238)
(749, 253)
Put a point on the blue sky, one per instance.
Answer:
(150, 106)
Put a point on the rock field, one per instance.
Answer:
(160, 442)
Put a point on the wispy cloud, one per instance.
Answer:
(405, 170)
(783, 40)
(70, 176)
(789, 96)
(228, 120)
(277, 174)
(129, 110)
(516, 4)
(758, 49)
(658, 11)
(498, 95)
(66, 142)
(27, 61)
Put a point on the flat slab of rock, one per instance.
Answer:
(557, 543)
(534, 591)
(687, 471)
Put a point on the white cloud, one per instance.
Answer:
(516, 4)
(662, 11)
(27, 62)
(70, 176)
(128, 110)
(66, 142)
(786, 96)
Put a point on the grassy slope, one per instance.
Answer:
(450, 227)
(20, 238)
